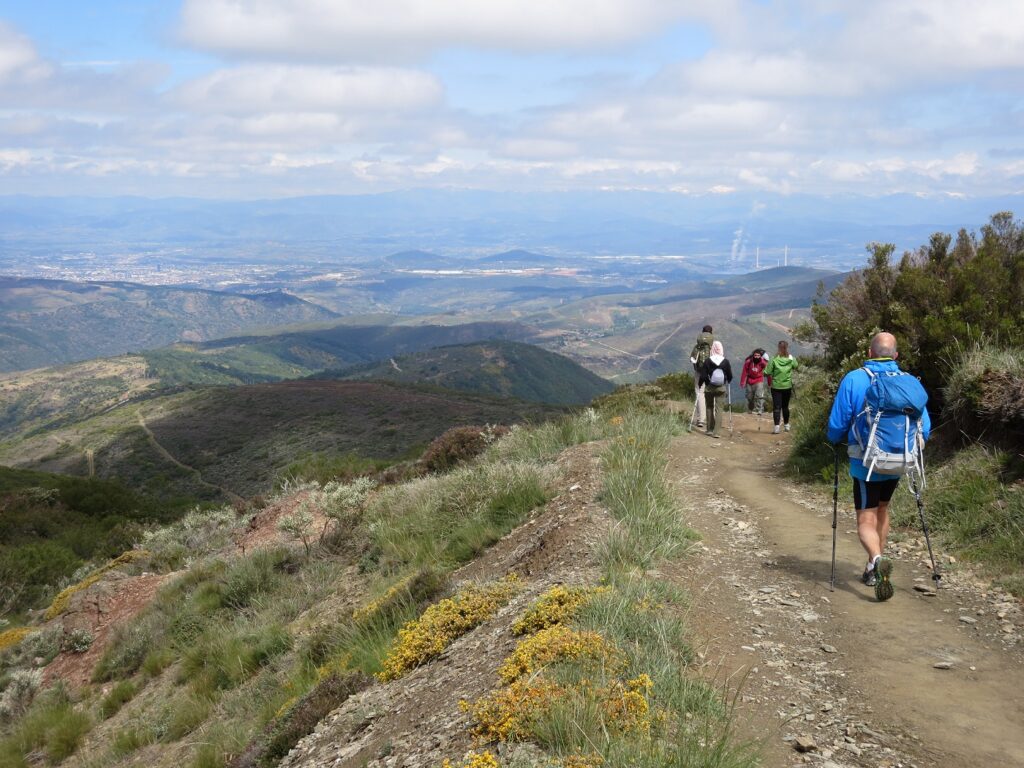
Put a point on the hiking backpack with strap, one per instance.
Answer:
(888, 430)
(703, 352)
(717, 377)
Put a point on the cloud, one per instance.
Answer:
(274, 89)
(19, 60)
(346, 30)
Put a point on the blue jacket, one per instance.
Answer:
(850, 401)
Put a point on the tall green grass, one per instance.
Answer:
(978, 509)
(649, 525)
(446, 520)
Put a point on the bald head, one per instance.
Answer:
(883, 345)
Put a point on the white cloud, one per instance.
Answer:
(279, 89)
(346, 30)
(19, 60)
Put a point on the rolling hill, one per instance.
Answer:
(218, 442)
(36, 400)
(628, 337)
(50, 322)
(504, 368)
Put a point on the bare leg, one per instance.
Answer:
(882, 526)
(869, 532)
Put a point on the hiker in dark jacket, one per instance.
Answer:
(714, 376)
(752, 379)
(698, 355)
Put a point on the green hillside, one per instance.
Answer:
(49, 322)
(217, 442)
(42, 399)
(504, 368)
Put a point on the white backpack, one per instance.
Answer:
(717, 377)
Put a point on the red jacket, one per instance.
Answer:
(752, 373)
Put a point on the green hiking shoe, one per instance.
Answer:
(883, 586)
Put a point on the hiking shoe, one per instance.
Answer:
(775, 429)
(787, 427)
(869, 577)
(883, 586)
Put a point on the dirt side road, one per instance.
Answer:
(849, 681)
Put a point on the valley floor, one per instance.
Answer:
(855, 681)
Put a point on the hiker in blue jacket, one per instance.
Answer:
(870, 498)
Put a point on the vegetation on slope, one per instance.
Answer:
(503, 368)
(53, 525)
(34, 401)
(240, 656)
(244, 439)
(955, 310)
(49, 322)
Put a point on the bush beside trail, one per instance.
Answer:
(955, 310)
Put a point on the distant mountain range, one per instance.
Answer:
(722, 230)
(50, 322)
(503, 368)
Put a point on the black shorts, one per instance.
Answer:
(869, 495)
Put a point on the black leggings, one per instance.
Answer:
(780, 404)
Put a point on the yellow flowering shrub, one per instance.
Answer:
(441, 624)
(12, 637)
(474, 760)
(557, 643)
(580, 761)
(507, 713)
(61, 601)
(556, 606)
(361, 615)
(627, 705)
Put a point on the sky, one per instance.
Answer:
(273, 98)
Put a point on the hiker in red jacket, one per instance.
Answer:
(752, 379)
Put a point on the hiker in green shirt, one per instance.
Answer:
(780, 374)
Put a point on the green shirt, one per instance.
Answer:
(781, 371)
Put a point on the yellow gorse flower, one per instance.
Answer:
(556, 606)
(444, 622)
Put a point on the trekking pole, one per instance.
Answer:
(729, 399)
(693, 415)
(835, 515)
(936, 576)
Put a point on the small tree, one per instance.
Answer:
(298, 525)
(343, 503)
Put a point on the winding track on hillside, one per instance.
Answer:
(857, 676)
(643, 358)
(164, 453)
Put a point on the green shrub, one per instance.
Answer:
(128, 648)
(118, 696)
(183, 715)
(52, 727)
(222, 658)
(283, 733)
(984, 395)
(444, 520)
(969, 502)
(649, 524)
(676, 386)
(323, 468)
(458, 445)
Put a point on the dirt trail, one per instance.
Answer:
(856, 676)
(231, 495)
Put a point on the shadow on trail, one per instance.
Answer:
(817, 571)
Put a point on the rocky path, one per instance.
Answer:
(835, 679)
